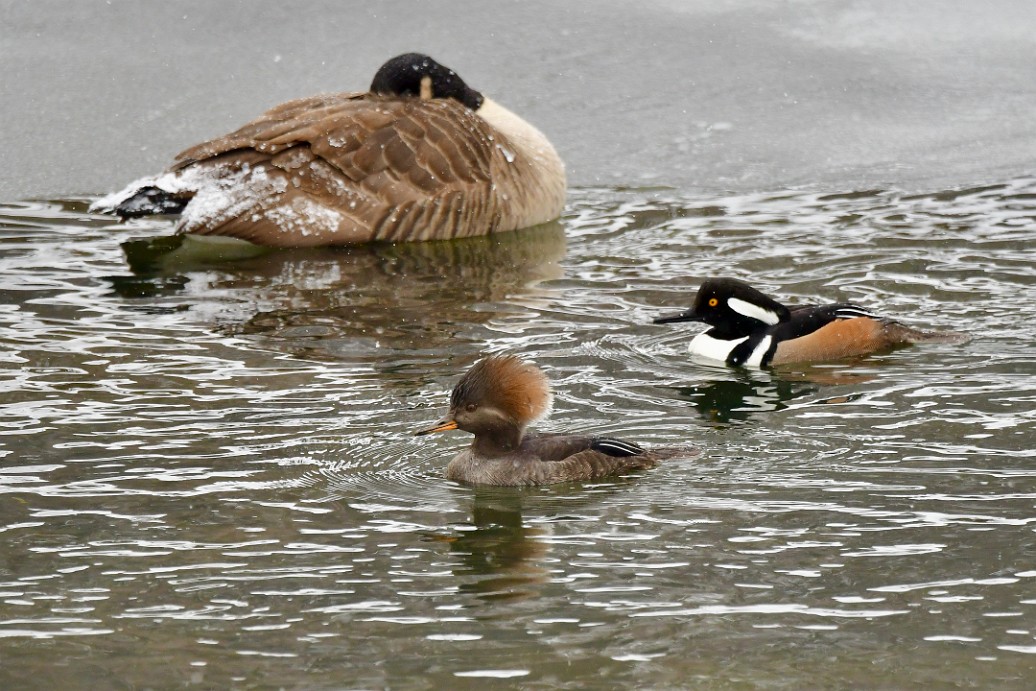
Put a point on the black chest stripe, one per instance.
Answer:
(743, 351)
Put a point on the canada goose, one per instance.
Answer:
(421, 156)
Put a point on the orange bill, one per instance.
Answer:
(444, 425)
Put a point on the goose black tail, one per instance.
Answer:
(150, 201)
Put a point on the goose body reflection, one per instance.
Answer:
(496, 400)
(747, 327)
(368, 301)
(420, 156)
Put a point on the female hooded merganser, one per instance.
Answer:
(421, 156)
(752, 329)
(496, 400)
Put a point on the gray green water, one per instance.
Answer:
(208, 476)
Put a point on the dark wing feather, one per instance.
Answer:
(554, 447)
(559, 447)
(576, 457)
(592, 464)
(806, 319)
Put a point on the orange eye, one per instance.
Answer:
(713, 302)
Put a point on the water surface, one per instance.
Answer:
(209, 477)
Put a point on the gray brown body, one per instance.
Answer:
(548, 459)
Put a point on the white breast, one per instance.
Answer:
(706, 346)
(534, 178)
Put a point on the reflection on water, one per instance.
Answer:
(736, 394)
(323, 301)
(736, 399)
(212, 458)
(498, 548)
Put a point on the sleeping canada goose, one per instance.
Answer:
(421, 156)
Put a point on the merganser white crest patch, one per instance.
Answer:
(747, 309)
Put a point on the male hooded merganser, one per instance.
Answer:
(421, 156)
(752, 329)
(496, 400)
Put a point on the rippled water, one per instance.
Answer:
(209, 477)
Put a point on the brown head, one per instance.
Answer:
(496, 400)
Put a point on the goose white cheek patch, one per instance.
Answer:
(747, 309)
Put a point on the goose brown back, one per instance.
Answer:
(357, 167)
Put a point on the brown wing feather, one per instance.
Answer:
(288, 123)
(588, 465)
(517, 472)
(367, 168)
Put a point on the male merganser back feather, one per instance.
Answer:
(496, 400)
(747, 327)
(420, 156)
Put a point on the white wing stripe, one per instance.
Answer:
(618, 446)
(853, 312)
